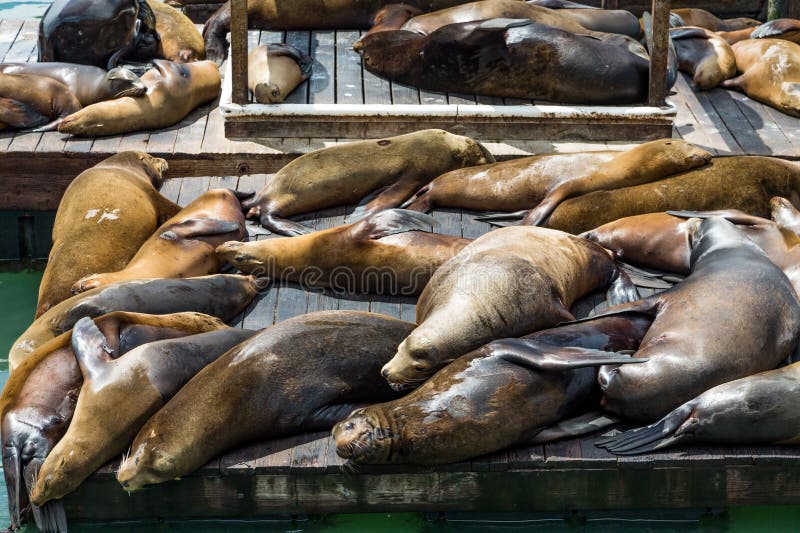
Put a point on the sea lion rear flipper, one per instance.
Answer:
(621, 290)
(12, 470)
(771, 29)
(647, 306)
(90, 347)
(574, 427)
(282, 226)
(303, 60)
(390, 222)
(491, 217)
(663, 433)
(19, 115)
(546, 358)
(200, 227)
(52, 126)
(649, 279)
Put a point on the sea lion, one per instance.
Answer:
(509, 392)
(302, 374)
(547, 180)
(275, 70)
(745, 183)
(705, 55)
(104, 216)
(392, 168)
(183, 247)
(603, 20)
(733, 37)
(504, 57)
(179, 39)
(736, 314)
(89, 84)
(38, 399)
(97, 33)
(769, 73)
(389, 252)
(507, 283)
(700, 17)
(785, 214)
(173, 91)
(392, 17)
(118, 396)
(757, 409)
(786, 29)
(34, 101)
(157, 296)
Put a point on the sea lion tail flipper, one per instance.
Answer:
(541, 212)
(769, 30)
(733, 83)
(303, 60)
(12, 470)
(647, 279)
(622, 290)
(50, 517)
(51, 126)
(574, 427)
(647, 306)
(390, 222)
(663, 433)
(200, 227)
(19, 115)
(540, 356)
(491, 217)
(282, 226)
(90, 347)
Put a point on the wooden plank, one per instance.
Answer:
(191, 189)
(51, 141)
(24, 46)
(404, 94)
(132, 141)
(737, 123)
(292, 301)
(707, 118)
(171, 189)
(687, 125)
(377, 90)
(9, 29)
(189, 139)
(238, 57)
(349, 89)
(321, 85)
(302, 41)
(768, 131)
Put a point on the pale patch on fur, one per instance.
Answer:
(109, 215)
(91, 213)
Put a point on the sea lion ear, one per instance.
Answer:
(199, 227)
(90, 347)
(390, 222)
(546, 358)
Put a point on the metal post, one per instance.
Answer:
(776, 9)
(659, 48)
(240, 93)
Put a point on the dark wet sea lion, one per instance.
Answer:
(509, 392)
(96, 33)
(507, 283)
(183, 247)
(157, 296)
(302, 374)
(745, 183)
(604, 20)
(700, 17)
(757, 409)
(769, 72)
(275, 70)
(705, 55)
(389, 252)
(515, 58)
(34, 101)
(89, 84)
(105, 215)
(173, 91)
(38, 399)
(392, 17)
(787, 29)
(736, 314)
(179, 39)
(118, 396)
(392, 169)
(544, 181)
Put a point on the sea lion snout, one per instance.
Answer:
(411, 365)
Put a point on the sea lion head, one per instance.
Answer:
(363, 438)
(415, 361)
(154, 167)
(122, 82)
(147, 465)
(236, 253)
(713, 234)
(391, 52)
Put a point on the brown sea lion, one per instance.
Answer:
(705, 55)
(156, 297)
(183, 247)
(105, 215)
(302, 374)
(507, 283)
(389, 252)
(275, 70)
(786, 29)
(691, 16)
(736, 315)
(38, 399)
(509, 392)
(392, 168)
(745, 183)
(173, 91)
(757, 409)
(392, 17)
(547, 180)
(769, 73)
(592, 18)
(179, 39)
(118, 396)
(735, 36)
(28, 101)
(89, 84)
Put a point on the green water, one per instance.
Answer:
(23, 10)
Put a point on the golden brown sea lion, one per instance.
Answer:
(393, 168)
(173, 91)
(179, 40)
(28, 101)
(507, 283)
(786, 29)
(705, 55)
(275, 70)
(592, 18)
(390, 252)
(105, 215)
(735, 36)
(700, 17)
(183, 247)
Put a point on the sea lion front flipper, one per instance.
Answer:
(91, 348)
(546, 358)
(574, 427)
(663, 433)
(733, 215)
(491, 217)
(12, 470)
(19, 115)
(647, 279)
(773, 28)
(621, 290)
(390, 222)
(51, 126)
(648, 306)
(200, 227)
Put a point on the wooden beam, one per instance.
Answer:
(776, 10)
(238, 57)
(659, 49)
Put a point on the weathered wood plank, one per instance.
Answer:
(349, 89)
(321, 85)
(302, 41)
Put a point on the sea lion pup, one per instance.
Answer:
(155, 296)
(179, 40)
(705, 55)
(118, 396)
(595, 19)
(38, 399)
(786, 29)
(105, 215)
(507, 283)
(734, 316)
(547, 180)
(89, 84)
(183, 247)
(302, 374)
(392, 17)
(700, 17)
(173, 91)
(28, 101)
(275, 70)
(757, 409)
(389, 252)
(769, 73)
(745, 183)
(392, 169)
(509, 392)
